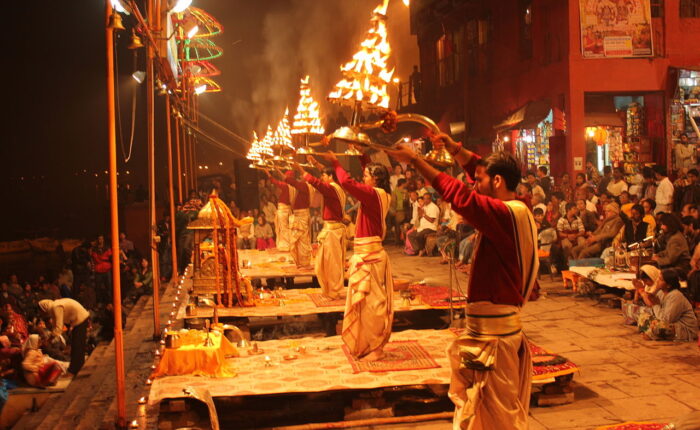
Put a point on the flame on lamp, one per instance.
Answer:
(282, 138)
(307, 120)
(365, 77)
(254, 151)
(266, 143)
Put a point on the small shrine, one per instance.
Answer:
(215, 260)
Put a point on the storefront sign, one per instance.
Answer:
(612, 28)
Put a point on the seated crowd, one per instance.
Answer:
(597, 218)
(49, 324)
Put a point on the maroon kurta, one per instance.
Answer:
(369, 223)
(331, 203)
(301, 201)
(496, 275)
(284, 191)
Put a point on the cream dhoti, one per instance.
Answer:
(368, 307)
(491, 370)
(299, 237)
(330, 259)
(282, 226)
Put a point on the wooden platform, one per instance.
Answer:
(271, 263)
(322, 367)
(293, 303)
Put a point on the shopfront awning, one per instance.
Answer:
(603, 119)
(599, 111)
(526, 117)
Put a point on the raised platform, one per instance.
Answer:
(322, 367)
(297, 302)
(271, 263)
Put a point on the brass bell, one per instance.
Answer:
(115, 22)
(135, 40)
(439, 157)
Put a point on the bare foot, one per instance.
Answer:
(373, 356)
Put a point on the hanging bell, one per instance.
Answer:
(115, 22)
(135, 40)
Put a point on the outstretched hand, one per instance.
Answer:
(402, 153)
(328, 156)
(441, 140)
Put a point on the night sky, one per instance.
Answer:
(54, 153)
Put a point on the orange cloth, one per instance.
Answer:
(193, 358)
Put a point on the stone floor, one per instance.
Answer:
(622, 378)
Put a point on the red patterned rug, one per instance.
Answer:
(634, 426)
(437, 296)
(545, 364)
(400, 355)
(322, 301)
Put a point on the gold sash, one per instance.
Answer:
(342, 198)
(526, 245)
(485, 319)
(368, 245)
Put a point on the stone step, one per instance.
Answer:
(55, 405)
(91, 404)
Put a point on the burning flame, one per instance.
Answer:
(307, 120)
(365, 77)
(266, 143)
(282, 137)
(255, 149)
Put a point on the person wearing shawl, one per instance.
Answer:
(329, 265)
(666, 314)
(602, 237)
(368, 306)
(39, 369)
(491, 364)
(75, 316)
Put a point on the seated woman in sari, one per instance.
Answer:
(667, 314)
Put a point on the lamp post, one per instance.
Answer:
(114, 218)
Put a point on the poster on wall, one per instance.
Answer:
(616, 28)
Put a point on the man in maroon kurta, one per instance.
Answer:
(284, 210)
(299, 226)
(329, 263)
(490, 393)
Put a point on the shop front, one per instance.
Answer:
(526, 133)
(624, 130)
(684, 116)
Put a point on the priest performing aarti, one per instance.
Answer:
(284, 211)
(299, 225)
(329, 265)
(368, 307)
(491, 364)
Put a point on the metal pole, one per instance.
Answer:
(195, 118)
(155, 263)
(114, 218)
(171, 191)
(450, 261)
(177, 156)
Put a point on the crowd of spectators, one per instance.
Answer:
(50, 323)
(600, 216)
